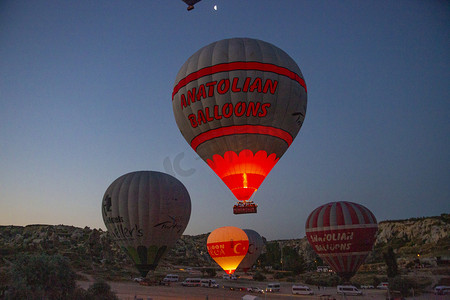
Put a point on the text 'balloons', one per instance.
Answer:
(342, 234)
(240, 103)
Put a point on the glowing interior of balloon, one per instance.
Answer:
(243, 173)
(229, 264)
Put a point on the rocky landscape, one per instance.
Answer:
(418, 243)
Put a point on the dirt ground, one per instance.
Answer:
(132, 290)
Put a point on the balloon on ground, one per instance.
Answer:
(146, 212)
(342, 234)
(255, 247)
(227, 246)
(240, 103)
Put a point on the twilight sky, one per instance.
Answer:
(85, 97)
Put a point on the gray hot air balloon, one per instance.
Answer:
(240, 103)
(255, 247)
(146, 212)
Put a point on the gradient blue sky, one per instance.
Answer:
(85, 97)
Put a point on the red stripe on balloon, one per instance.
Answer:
(237, 66)
(228, 248)
(240, 129)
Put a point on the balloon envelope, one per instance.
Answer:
(146, 212)
(255, 247)
(342, 234)
(240, 103)
(227, 246)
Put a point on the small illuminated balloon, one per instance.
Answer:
(227, 246)
(255, 247)
(146, 212)
(215, 7)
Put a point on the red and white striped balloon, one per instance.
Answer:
(342, 234)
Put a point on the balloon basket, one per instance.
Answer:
(245, 208)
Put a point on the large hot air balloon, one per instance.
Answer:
(255, 246)
(342, 234)
(227, 246)
(146, 212)
(240, 103)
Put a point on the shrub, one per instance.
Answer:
(259, 276)
(41, 276)
(401, 284)
(211, 272)
(101, 290)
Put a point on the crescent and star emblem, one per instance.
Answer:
(236, 250)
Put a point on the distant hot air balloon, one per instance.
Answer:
(191, 3)
(240, 103)
(342, 234)
(227, 246)
(146, 212)
(255, 246)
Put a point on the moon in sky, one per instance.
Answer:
(215, 7)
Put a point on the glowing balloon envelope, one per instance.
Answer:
(146, 212)
(240, 103)
(342, 234)
(255, 247)
(227, 246)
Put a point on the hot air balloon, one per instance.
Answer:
(240, 103)
(190, 3)
(255, 246)
(146, 212)
(342, 234)
(227, 246)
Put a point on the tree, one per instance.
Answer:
(273, 255)
(292, 260)
(41, 277)
(391, 263)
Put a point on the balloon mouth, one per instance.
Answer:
(230, 272)
(243, 193)
(243, 173)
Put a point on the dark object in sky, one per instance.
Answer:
(191, 3)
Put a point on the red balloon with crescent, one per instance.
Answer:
(240, 103)
(342, 234)
(227, 246)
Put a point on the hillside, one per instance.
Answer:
(92, 251)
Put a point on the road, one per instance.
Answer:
(128, 290)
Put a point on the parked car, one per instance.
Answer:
(229, 277)
(301, 290)
(171, 278)
(442, 290)
(348, 290)
(255, 290)
(191, 282)
(273, 287)
(138, 279)
(383, 286)
(211, 283)
(367, 287)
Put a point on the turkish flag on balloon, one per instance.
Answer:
(227, 246)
